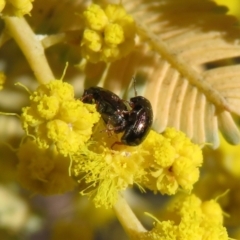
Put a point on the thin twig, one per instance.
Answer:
(31, 47)
(127, 218)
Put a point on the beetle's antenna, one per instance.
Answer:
(64, 71)
(134, 86)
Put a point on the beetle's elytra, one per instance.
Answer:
(109, 105)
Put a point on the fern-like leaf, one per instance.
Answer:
(179, 39)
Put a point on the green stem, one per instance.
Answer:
(32, 48)
(128, 219)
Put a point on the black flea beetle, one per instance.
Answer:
(109, 105)
(139, 121)
(135, 121)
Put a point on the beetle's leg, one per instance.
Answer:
(109, 129)
(116, 143)
(134, 85)
(122, 112)
(90, 96)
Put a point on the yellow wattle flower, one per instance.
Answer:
(43, 171)
(109, 33)
(56, 118)
(170, 164)
(190, 221)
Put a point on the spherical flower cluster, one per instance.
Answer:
(191, 219)
(16, 7)
(108, 173)
(2, 80)
(109, 33)
(162, 163)
(55, 118)
(173, 162)
(43, 171)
